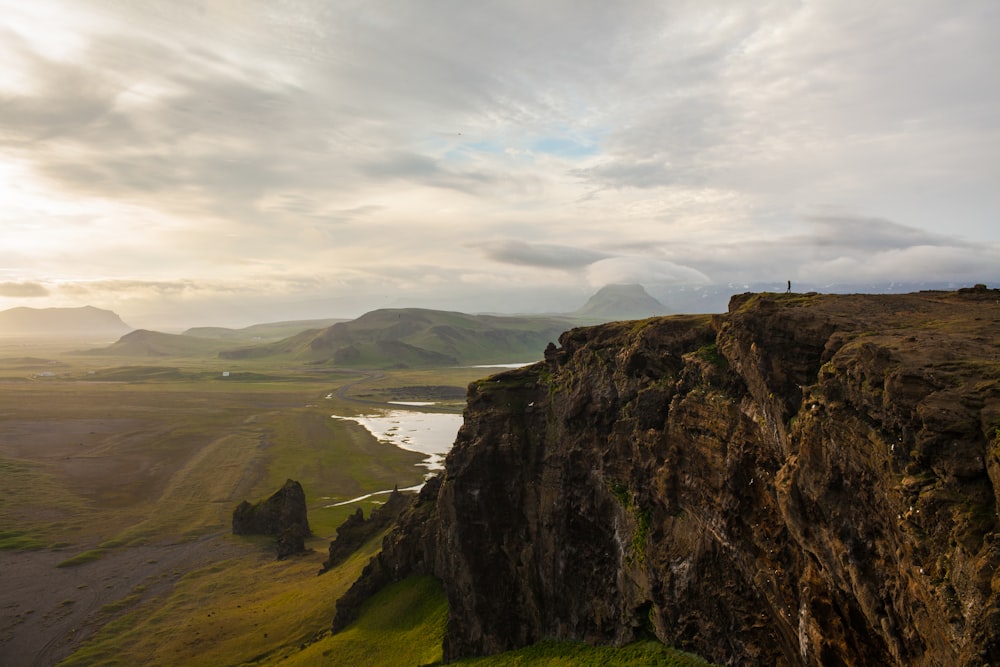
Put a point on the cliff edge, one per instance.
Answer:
(806, 480)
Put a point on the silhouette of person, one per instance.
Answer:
(789, 290)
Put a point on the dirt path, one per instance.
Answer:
(367, 376)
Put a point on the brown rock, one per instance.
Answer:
(807, 480)
(356, 530)
(283, 515)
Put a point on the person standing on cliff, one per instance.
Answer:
(789, 289)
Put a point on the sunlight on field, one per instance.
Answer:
(108, 465)
(120, 480)
(401, 626)
(229, 613)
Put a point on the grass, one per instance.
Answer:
(164, 453)
(785, 298)
(402, 625)
(124, 603)
(642, 517)
(19, 540)
(711, 354)
(573, 654)
(397, 385)
(35, 508)
(84, 557)
(335, 460)
(117, 456)
(230, 613)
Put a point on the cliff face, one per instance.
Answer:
(807, 480)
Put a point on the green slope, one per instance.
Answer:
(268, 331)
(145, 343)
(404, 625)
(415, 337)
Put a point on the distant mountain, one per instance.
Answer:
(145, 343)
(83, 322)
(267, 332)
(417, 337)
(620, 302)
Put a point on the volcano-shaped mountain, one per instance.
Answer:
(620, 302)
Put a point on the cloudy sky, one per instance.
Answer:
(238, 161)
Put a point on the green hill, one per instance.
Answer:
(145, 343)
(268, 331)
(417, 337)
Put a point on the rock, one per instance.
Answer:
(807, 480)
(406, 551)
(291, 541)
(283, 515)
(356, 530)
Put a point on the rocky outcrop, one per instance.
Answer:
(283, 515)
(407, 550)
(806, 480)
(356, 530)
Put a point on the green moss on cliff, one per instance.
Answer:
(640, 515)
(710, 353)
(564, 654)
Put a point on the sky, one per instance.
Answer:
(236, 161)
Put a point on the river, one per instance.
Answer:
(430, 433)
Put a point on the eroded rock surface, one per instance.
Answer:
(283, 515)
(806, 480)
(356, 529)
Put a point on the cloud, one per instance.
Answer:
(23, 289)
(540, 255)
(844, 249)
(867, 231)
(643, 172)
(913, 264)
(643, 270)
(193, 148)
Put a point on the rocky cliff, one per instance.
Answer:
(806, 480)
(357, 530)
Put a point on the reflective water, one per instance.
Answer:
(430, 433)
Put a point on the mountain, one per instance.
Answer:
(620, 302)
(807, 479)
(417, 337)
(83, 322)
(145, 343)
(268, 331)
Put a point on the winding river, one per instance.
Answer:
(430, 433)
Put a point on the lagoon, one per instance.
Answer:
(430, 433)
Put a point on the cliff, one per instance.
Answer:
(806, 480)
(357, 530)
